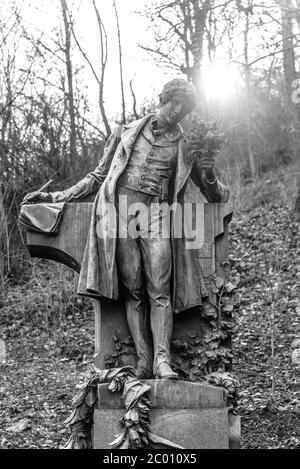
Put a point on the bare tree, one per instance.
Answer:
(104, 55)
(67, 51)
(248, 10)
(100, 78)
(288, 47)
(180, 29)
(120, 63)
(288, 13)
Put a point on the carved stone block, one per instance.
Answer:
(191, 415)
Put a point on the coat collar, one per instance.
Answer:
(131, 132)
(171, 135)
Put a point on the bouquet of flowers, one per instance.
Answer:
(204, 139)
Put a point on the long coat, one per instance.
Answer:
(99, 274)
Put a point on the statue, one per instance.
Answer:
(145, 163)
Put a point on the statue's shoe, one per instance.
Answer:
(164, 371)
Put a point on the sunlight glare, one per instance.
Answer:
(220, 81)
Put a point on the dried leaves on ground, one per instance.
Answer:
(265, 252)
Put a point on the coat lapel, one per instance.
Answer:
(131, 132)
(184, 167)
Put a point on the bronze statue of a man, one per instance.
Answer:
(148, 163)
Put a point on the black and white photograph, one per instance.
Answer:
(149, 227)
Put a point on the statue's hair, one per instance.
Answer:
(179, 88)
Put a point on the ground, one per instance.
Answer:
(49, 334)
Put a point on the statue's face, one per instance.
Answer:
(173, 111)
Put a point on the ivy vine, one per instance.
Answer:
(209, 357)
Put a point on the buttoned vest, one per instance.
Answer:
(152, 163)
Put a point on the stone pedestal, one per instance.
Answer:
(191, 415)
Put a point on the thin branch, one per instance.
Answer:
(134, 99)
(120, 63)
(67, 50)
(166, 57)
(86, 57)
(173, 26)
(104, 55)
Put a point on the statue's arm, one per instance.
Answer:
(92, 182)
(213, 189)
(80, 191)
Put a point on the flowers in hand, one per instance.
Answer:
(204, 139)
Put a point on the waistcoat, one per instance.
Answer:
(152, 163)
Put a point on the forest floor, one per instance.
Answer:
(49, 334)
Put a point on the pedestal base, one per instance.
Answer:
(191, 415)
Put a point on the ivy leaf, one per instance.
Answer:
(217, 335)
(211, 354)
(226, 266)
(200, 350)
(204, 361)
(213, 345)
(219, 282)
(230, 287)
(236, 280)
(226, 300)
(180, 345)
(210, 311)
(214, 289)
(237, 299)
(227, 309)
(227, 324)
(224, 335)
(224, 352)
(214, 324)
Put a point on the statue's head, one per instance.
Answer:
(177, 99)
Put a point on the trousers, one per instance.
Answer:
(144, 262)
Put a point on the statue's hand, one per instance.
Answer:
(206, 166)
(36, 197)
(207, 163)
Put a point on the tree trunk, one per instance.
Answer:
(247, 68)
(67, 50)
(200, 16)
(121, 65)
(104, 54)
(288, 49)
(297, 205)
(289, 64)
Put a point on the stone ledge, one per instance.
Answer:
(168, 394)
